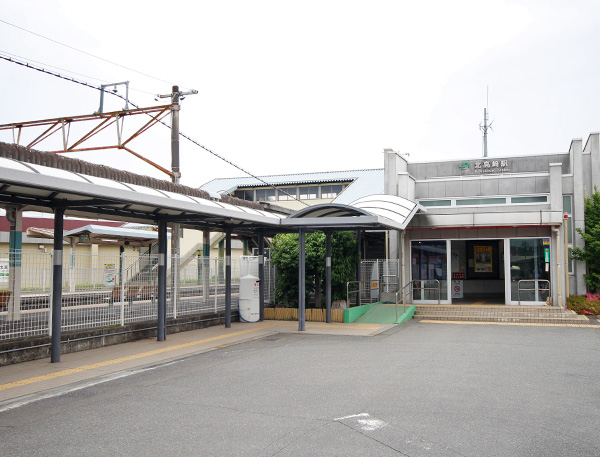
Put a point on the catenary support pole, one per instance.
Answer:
(228, 278)
(175, 229)
(261, 276)
(328, 277)
(302, 283)
(57, 269)
(162, 281)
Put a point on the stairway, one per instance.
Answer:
(500, 313)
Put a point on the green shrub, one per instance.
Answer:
(581, 305)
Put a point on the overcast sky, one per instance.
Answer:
(286, 87)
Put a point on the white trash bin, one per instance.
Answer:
(249, 305)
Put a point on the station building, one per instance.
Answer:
(493, 230)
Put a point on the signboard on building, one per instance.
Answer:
(485, 166)
(457, 288)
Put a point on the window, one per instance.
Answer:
(567, 204)
(481, 201)
(436, 202)
(567, 210)
(331, 191)
(247, 194)
(532, 199)
(309, 193)
(263, 195)
(287, 193)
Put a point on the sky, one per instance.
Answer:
(288, 87)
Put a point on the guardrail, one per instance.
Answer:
(535, 288)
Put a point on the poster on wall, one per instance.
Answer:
(483, 259)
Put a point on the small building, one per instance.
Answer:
(489, 229)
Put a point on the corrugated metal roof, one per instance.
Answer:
(363, 182)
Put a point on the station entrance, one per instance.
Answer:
(481, 271)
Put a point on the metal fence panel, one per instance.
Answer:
(112, 290)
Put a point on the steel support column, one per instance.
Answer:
(57, 268)
(228, 279)
(205, 264)
(328, 277)
(358, 249)
(14, 215)
(162, 281)
(261, 276)
(302, 283)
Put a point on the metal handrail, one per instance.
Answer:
(348, 292)
(410, 291)
(438, 288)
(519, 288)
(388, 284)
(358, 291)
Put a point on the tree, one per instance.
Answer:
(591, 235)
(285, 255)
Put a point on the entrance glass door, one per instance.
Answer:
(429, 262)
(530, 270)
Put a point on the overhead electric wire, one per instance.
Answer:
(83, 83)
(27, 60)
(86, 53)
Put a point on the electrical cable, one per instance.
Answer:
(26, 60)
(83, 83)
(86, 53)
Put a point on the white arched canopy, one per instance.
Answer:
(381, 211)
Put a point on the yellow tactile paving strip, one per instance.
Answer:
(37, 376)
(528, 324)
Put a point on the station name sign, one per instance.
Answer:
(485, 166)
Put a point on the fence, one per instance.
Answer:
(112, 290)
(376, 276)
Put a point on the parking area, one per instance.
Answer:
(416, 389)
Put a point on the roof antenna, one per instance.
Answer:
(485, 127)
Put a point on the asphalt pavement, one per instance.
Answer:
(419, 389)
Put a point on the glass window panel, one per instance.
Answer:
(529, 270)
(244, 194)
(287, 193)
(331, 191)
(570, 230)
(570, 261)
(533, 199)
(481, 201)
(309, 193)
(436, 203)
(429, 263)
(567, 204)
(263, 195)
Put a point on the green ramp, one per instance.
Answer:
(386, 314)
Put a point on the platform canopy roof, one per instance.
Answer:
(39, 188)
(35, 187)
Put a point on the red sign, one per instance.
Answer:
(458, 276)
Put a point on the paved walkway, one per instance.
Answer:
(28, 381)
